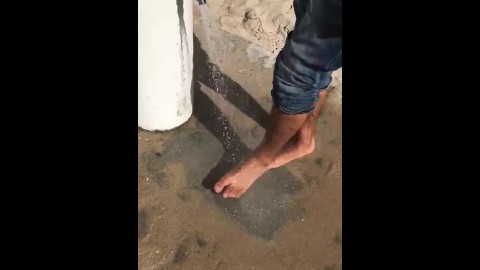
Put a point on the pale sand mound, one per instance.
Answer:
(266, 24)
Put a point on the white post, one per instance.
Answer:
(165, 63)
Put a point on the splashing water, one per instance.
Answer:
(216, 52)
(207, 24)
(214, 49)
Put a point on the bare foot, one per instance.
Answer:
(237, 181)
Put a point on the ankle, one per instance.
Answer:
(309, 147)
(261, 161)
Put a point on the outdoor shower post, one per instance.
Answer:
(165, 63)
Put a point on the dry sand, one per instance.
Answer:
(265, 23)
(291, 218)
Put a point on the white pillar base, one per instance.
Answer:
(165, 63)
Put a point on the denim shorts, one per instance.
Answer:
(312, 51)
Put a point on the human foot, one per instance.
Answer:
(236, 182)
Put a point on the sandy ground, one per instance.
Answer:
(265, 22)
(291, 218)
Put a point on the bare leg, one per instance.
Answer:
(303, 143)
(283, 127)
(288, 138)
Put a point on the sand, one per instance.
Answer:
(291, 218)
(265, 23)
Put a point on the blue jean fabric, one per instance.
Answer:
(312, 51)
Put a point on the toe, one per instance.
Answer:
(237, 192)
(227, 192)
(240, 192)
(220, 185)
(232, 192)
